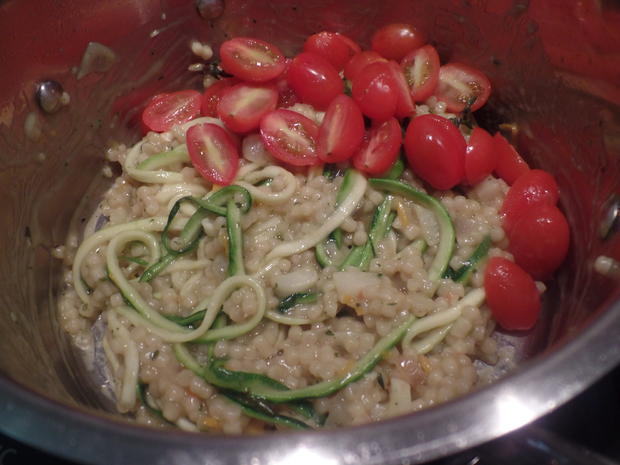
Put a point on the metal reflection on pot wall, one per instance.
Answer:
(539, 54)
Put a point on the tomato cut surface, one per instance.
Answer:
(290, 137)
(251, 59)
(166, 110)
(334, 47)
(435, 149)
(213, 153)
(510, 165)
(212, 95)
(405, 108)
(511, 294)
(242, 106)
(530, 190)
(539, 240)
(360, 61)
(461, 86)
(421, 69)
(394, 41)
(480, 158)
(375, 91)
(380, 148)
(314, 79)
(342, 130)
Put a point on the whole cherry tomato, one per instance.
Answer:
(394, 41)
(539, 240)
(531, 189)
(314, 79)
(511, 294)
(375, 90)
(360, 61)
(480, 159)
(435, 149)
(509, 165)
(334, 47)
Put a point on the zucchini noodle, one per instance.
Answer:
(126, 397)
(344, 210)
(202, 333)
(444, 317)
(103, 236)
(269, 198)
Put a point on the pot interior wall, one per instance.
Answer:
(43, 181)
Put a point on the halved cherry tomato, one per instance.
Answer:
(334, 47)
(422, 72)
(251, 59)
(531, 189)
(539, 240)
(511, 294)
(394, 41)
(212, 94)
(380, 148)
(242, 106)
(314, 79)
(290, 137)
(342, 130)
(461, 86)
(480, 158)
(213, 153)
(375, 91)
(167, 110)
(435, 149)
(405, 107)
(510, 165)
(360, 61)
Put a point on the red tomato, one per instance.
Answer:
(422, 72)
(167, 110)
(314, 79)
(360, 61)
(539, 240)
(251, 59)
(335, 48)
(375, 91)
(435, 149)
(531, 189)
(380, 148)
(212, 95)
(394, 41)
(480, 158)
(511, 294)
(213, 153)
(286, 95)
(510, 165)
(290, 137)
(405, 107)
(342, 130)
(242, 106)
(459, 85)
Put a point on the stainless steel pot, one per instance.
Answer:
(555, 67)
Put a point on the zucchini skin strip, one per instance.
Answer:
(447, 234)
(273, 391)
(235, 240)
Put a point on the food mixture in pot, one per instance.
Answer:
(312, 242)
